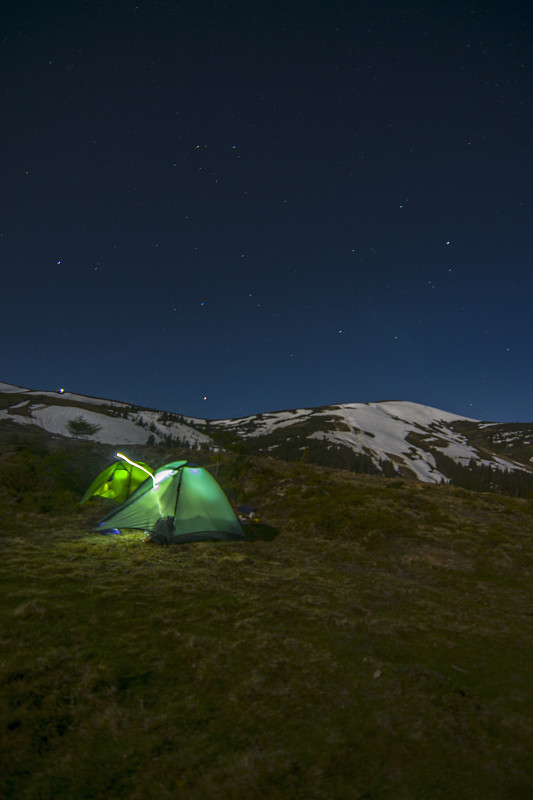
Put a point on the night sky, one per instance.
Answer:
(221, 208)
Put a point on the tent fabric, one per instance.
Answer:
(183, 503)
(117, 482)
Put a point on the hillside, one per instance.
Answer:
(380, 646)
(390, 438)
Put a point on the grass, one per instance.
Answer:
(380, 647)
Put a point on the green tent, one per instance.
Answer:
(118, 481)
(183, 503)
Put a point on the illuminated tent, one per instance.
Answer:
(118, 481)
(182, 503)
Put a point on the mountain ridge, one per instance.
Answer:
(388, 437)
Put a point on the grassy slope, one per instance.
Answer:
(380, 647)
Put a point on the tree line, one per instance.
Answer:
(484, 477)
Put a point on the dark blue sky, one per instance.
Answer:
(269, 205)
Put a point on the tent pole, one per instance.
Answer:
(178, 489)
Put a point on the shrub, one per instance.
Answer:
(81, 427)
(40, 481)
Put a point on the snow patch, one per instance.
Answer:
(112, 430)
(9, 388)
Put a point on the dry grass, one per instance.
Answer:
(380, 647)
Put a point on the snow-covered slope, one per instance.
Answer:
(403, 433)
(382, 430)
(400, 436)
(106, 421)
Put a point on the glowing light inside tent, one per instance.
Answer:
(134, 464)
(163, 475)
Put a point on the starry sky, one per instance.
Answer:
(222, 208)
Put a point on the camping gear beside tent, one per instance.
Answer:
(181, 503)
(118, 481)
(246, 512)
